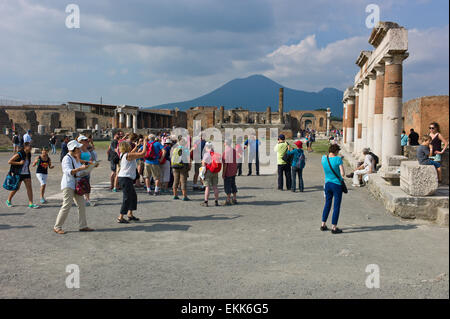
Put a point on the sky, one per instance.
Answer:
(145, 52)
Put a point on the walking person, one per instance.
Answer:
(413, 137)
(164, 162)
(127, 176)
(43, 163)
(283, 168)
(27, 137)
(240, 155)
(16, 142)
(71, 168)
(113, 158)
(297, 165)
(213, 164)
(52, 141)
(64, 149)
(180, 162)
(229, 171)
(20, 165)
(437, 140)
(253, 153)
(86, 158)
(333, 168)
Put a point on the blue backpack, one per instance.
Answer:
(301, 161)
(12, 180)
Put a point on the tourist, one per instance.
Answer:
(52, 141)
(413, 137)
(43, 163)
(333, 168)
(229, 159)
(180, 162)
(127, 176)
(91, 148)
(213, 164)
(140, 163)
(308, 142)
(403, 141)
(253, 153)
(437, 140)
(64, 149)
(361, 172)
(423, 152)
(297, 165)
(312, 139)
(71, 167)
(20, 165)
(239, 154)
(152, 167)
(199, 146)
(283, 168)
(164, 162)
(27, 137)
(86, 158)
(16, 142)
(113, 158)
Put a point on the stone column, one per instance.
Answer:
(378, 112)
(371, 109)
(135, 123)
(365, 113)
(280, 105)
(221, 114)
(268, 115)
(350, 119)
(356, 121)
(121, 120)
(113, 120)
(392, 105)
(358, 128)
(344, 122)
(232, 117)
(128, 120)
(328, 121)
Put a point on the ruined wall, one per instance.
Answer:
(206, 114)
(299, 118)
(420, 112)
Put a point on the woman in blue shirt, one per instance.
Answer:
(333, 187)
(297, 165)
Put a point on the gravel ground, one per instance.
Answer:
(268, 246)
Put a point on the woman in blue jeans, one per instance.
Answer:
(297, 165)
(333, 187)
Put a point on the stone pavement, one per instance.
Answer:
(268, 246)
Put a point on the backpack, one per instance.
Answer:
(16, 139)
(301, 161)
(177, 158)
(150, 154)
(82, 186)
(113, 157)
(216, 163)
(375, 158)
(164, 159)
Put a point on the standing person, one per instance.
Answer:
(239, 154)
(423, 152)
(27, 137)
(91, 148)
(333, 187)
(43, 163)
(229, 160)
(152, 167)
(366, 168)
(71, 167)
(86, 158)
(281, 148)
(437, 140)
(413, 137)
(52, 141)
(253, 153)
(312, 139)
(297, 165)
(64, 149)
(308, 142)
(20, 165)
(213, 164)
(199, 146)
(180, 162)
(164, 162)
(403, 141)
(113, 158)
(16, 142)
(127, 176)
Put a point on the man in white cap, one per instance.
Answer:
(71, 167)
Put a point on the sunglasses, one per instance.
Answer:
(431, 128)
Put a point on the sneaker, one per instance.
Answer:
(336, 231)
(204, 204)
(33, 206)
(43, 201)
(234, 201)
(354, 185)
(114, 190)
(156, 193)
(186, 199)
(88, 203)
(216, 203)
(9, 204)
(176, 197)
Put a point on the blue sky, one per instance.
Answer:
(152, 52)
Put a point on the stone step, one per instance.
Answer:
(442, 216)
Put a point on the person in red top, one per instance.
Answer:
(230, 168)
(240, 155)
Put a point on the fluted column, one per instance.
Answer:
(378, 113)
(371, 109)
(350, 119)
(356, 121)
(365, 113)
(121, 120)
(281, 106)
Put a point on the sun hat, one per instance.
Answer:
(298, 144)
(73, 145)
(82, 138)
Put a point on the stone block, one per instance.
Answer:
(442, 216)
(395, 160)
(411, 152)
(418, 180)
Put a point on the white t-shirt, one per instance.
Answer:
(127, 168)
(68, 164)
(368, 161)
(27, 138)
(25, 170)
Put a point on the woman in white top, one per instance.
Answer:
(71, 167)
(127, 176)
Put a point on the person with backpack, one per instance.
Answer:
(196, 155)
(180, 163)
(164, 162)
(229, 160)
(20, 165)
(152, 167)
(52, 141)
(297, 165)
(72, 189)
(16, 142)
(43, 163)
(127, 175)
(361, 172)
(212, 163)
(283, 167)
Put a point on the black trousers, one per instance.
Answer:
(286, 169)
(129, 201)
(239, 168)
(250, 160)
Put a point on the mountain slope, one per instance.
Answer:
(256, 92)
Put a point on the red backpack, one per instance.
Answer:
(216, 163)
(150, 154)
(163, 159)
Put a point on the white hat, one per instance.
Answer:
(168, 141)
(73, 145)
(82, 138)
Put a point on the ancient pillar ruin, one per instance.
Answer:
(221, 114)
(378, 112)
(280, 105)
(268, 115)
(371, 109)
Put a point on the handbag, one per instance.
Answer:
(82, 186)
(344, 187)
(11, 182)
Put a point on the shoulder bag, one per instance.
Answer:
(344, 187)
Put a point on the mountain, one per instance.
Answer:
(256, 92)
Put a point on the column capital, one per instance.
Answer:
(372, 76)
(379, 69)
(365, 81)
(395, 58)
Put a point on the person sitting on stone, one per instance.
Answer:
(423, 151)
(363, 170)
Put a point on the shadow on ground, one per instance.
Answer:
(378, 228)
(151, 228)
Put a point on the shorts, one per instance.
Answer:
(180, 176)
(152, 170)
(229, 185)
(435, 164)
(211, 179)
(197, 168)
(24, 177)
(42, 178)
(165, 170)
